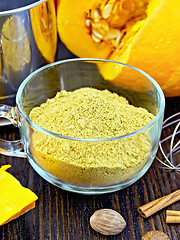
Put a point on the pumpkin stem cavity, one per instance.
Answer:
(115, 21)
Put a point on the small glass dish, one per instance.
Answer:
(133, 84)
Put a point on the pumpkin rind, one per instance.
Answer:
(154, 48)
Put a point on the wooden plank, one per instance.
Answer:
(62, 215)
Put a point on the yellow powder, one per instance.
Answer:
(90, 113)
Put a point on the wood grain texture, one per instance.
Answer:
(62, 215)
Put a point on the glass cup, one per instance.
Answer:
(87, 166)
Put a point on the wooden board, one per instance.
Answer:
(62, 215)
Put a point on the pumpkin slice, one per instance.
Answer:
(75, 33)
(43, 19)
(141, 33)
(15, 199)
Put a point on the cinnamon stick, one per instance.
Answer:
(172, 216)
(158, 204)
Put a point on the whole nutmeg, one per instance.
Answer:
(107, 222)
(155, 235)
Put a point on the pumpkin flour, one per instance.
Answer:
(89, 113)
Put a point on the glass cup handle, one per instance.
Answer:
(10, 148)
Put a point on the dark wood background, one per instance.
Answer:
(63, 215)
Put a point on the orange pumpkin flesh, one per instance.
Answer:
(74, 33)
(149, 38)
(15, 199)
(43, 18)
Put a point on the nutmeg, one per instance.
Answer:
(155, 235)
(107, 222)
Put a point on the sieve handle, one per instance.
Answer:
(10, 148)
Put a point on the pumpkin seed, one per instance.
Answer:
(116, 42)
(96, 25)
(106, 12)
(96, 39)
(112, 34)
(97, 33)
(105, 26)
(120, 46)
(96, 15)
(88, 22)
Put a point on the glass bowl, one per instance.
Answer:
(89, 166)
